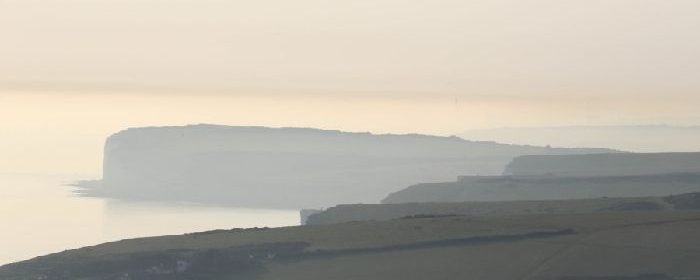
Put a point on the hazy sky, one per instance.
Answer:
(394, 47)
(73, 72)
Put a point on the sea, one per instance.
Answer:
(40, 214)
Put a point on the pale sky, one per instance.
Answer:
(393, 47)
(73, 72)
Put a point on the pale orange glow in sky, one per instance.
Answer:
(393, 47)
(74, 72)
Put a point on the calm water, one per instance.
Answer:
(39, 215)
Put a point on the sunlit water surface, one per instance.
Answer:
(39, 215)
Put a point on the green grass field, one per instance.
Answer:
(624, 244)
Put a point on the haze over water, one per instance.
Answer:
(74, 72)
(51, 139)
(39, 215)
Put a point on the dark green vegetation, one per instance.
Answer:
(605, 245)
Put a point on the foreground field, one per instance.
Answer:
(655, 245)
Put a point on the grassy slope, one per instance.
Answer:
(614, 245)
(604, 244)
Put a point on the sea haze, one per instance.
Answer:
(40, 215)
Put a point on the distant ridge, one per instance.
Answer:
(604, 164)
(288, 167)
(513, 188)
(640, 138)
(383, 212)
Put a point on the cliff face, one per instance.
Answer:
(604, 164)
(288, 167)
